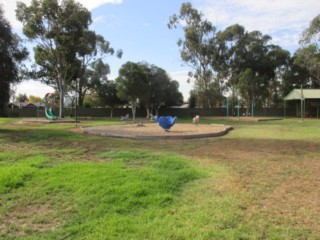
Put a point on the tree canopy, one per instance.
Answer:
(147, 85)
(308, 55)
(162, 90)
(12, 53)
(107, 93)
(133, 84)
(232, 60)
(198, 49)
(65, 46)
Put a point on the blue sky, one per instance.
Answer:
(139, 28)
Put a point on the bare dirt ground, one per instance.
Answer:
(154, 131)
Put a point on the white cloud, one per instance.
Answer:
(10, 6)
(99, 19)
(92, 4)
(108, 21)
(274, 17)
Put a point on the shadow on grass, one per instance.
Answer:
(39, 135)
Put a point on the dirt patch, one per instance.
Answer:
(22, 221)
(154, 131)
(76, 130)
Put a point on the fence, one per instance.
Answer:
(179, 112)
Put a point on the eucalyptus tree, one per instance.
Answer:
(12, 53)
(107, 93)
(93, 69)
(293, 76)
(258, 62)
(172, 94)
(133, 84)
(280, 60)
(158, 82)
(93, 77)
(232, 43)
(250, 64)
(192, 99)
(58, 29)
(308, 55)
(312, 34)
(163, 91)
(199, 47)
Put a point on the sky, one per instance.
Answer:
(139, 28)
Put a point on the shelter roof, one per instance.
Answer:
(295, 94)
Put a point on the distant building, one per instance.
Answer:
(25, 105)
(186, 105)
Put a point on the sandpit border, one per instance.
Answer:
(171, 136)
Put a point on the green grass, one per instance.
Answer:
(257, 182)
(111, 198)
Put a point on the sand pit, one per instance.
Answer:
(155, 132)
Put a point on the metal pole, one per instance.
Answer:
(238, 107)
(76, 112)
(301, 110)
(304, 106)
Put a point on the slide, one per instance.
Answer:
(50, 114)
(48, 110)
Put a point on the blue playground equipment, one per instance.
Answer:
(166, 122)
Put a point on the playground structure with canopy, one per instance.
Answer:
(49, 105)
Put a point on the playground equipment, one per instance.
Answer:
(48, 110)
(196, 119)
(166, 122)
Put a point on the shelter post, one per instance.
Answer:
(301, 111)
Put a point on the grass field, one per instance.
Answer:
(261, 181)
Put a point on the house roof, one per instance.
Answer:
(26, 104)
(29, 105)
(17, 104)
(295, 94)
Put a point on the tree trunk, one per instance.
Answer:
(148, 112)
(3, 109)
(157, 111)
(248, 106)
(61, 105)
(133, 107)
(61, 98)
(4, 98)
(80, 98)
(111, 112)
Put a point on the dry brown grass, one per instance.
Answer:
(280, 179)
(23, 220)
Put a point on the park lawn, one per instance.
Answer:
(261, 181)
